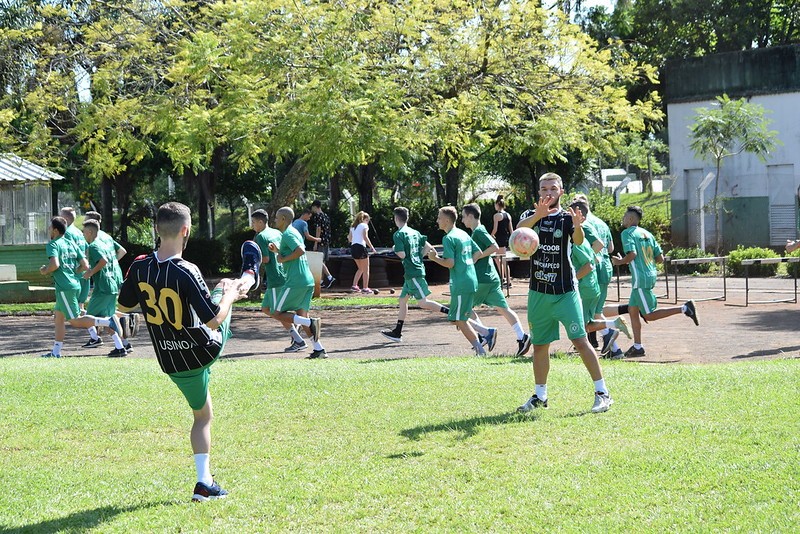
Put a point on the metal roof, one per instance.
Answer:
(15, 169)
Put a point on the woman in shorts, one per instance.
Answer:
(359, 241)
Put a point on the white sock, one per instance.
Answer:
(296, 337)
(615, 347)
(93, 333)
(302, 321)
(57, 347)
(541, 391)
(637, 345)
(683, 308)
(100, 321)
(604, 331)
(610, 324)
(203, 465)
(478, 347)
(317, 345)
(479, 328)
(518, 330)
(600, 386)
(248, 276)
(117, 341)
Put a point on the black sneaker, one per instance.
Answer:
(532, 403)
(691, 312)
(251, 260)
(128, 348)
(608, 341)
(392, 335)
(482, 340)
(634, 352)
(204, 493)
(92, 343)
(593, 340)
(329, 282)
(524, 345)
(296, 346)
(316, 327)
(317, 355)
(118, 353)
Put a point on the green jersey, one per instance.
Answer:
(484, 267)
(644, 270)
(275, 274)
(605, 270)
(76, 236)
(459, 247)
(109, 278)
(582, 254)
(412, 243)
(69, 257)
(298, 273)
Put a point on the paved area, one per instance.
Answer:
(728, 331)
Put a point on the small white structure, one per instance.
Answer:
(25, 201)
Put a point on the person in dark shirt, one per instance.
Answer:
(553, 297)
(188, 324)
(322, 229)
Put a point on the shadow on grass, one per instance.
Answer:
(467, 427)
(403, 455)
(83, 520)
(384, 360)
(767, 352)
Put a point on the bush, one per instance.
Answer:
(685, 254)
(210, 255)
(735, 267)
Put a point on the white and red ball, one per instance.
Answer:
(523, 242)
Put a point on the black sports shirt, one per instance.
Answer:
(551, 268)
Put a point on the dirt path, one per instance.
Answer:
(728, 331)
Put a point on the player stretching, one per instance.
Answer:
(188, 324)
(641, 253)
(489, 291)
(552, 297)
(293, 300)
(457, 258)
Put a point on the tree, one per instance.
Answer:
(732, 127)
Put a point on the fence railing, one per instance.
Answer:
(722, 260)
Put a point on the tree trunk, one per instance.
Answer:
(123, 185)
(202, 203)
(452, 179)
(365, 181)
(289, 188)
(335, 192)
(718, 239)
(107, 205)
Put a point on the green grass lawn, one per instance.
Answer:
(401, 445)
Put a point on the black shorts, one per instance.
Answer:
(502, 241)
(358, 251)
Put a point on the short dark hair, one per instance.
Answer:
(401, 213)
(451, 213)
(636, 210)
(91, 223)
(472, 209)
(306, 211)
(93, 215)
(581, 205)
(68, 214)
(171, 217)
(316, 204)
(260, 215)
(59, 224)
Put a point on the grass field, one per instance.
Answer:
(401, 445)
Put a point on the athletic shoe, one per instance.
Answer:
(593, 339)
(134, 321)
(124, 321)
(622, 326)
(616, 355)
(355, 289)
(524, 345)
(634, 352)
(608, 341)
(480, 351)
(204, 493)
(118, 353)
(532, 403)
(367, 290)
(92, 343)
(392, 335)
(602, 402)
(115, 325)
(329, 282)
(251, 260)
(50, 355)
(296, 347)
(316, 327)
(128, 348)
(491, 339)
(317, 355)
(482, 340)
(691, 312)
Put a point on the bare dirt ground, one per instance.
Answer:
(728, 331)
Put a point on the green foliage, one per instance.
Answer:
(689, 253)
(735, 267)
(210, 255)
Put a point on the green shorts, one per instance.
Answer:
(194, 384)
(415, 287)
(546, 311)
(589, 305)
(491, 295)
(598, 310)
(293, 298)
(644, 299)
(102, 304)
(461, 306)
(270, 296)
(67, 303)
(83, 295)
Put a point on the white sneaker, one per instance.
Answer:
(532, 403)
(602, 402)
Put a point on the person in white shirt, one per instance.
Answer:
(359, 241)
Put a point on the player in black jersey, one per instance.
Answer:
(188, 324)
(553, 297)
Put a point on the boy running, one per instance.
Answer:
(489, 291)
(553, 296)
(188, 324)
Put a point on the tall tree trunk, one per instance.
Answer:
(289, 188)
(365, 181)
(202, 203)
(717, 207)
(452, 179)
(335, 192)
(107, 205)
(123, 185)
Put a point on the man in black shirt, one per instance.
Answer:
(322, 228)
(188, 324)
(553, 297)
